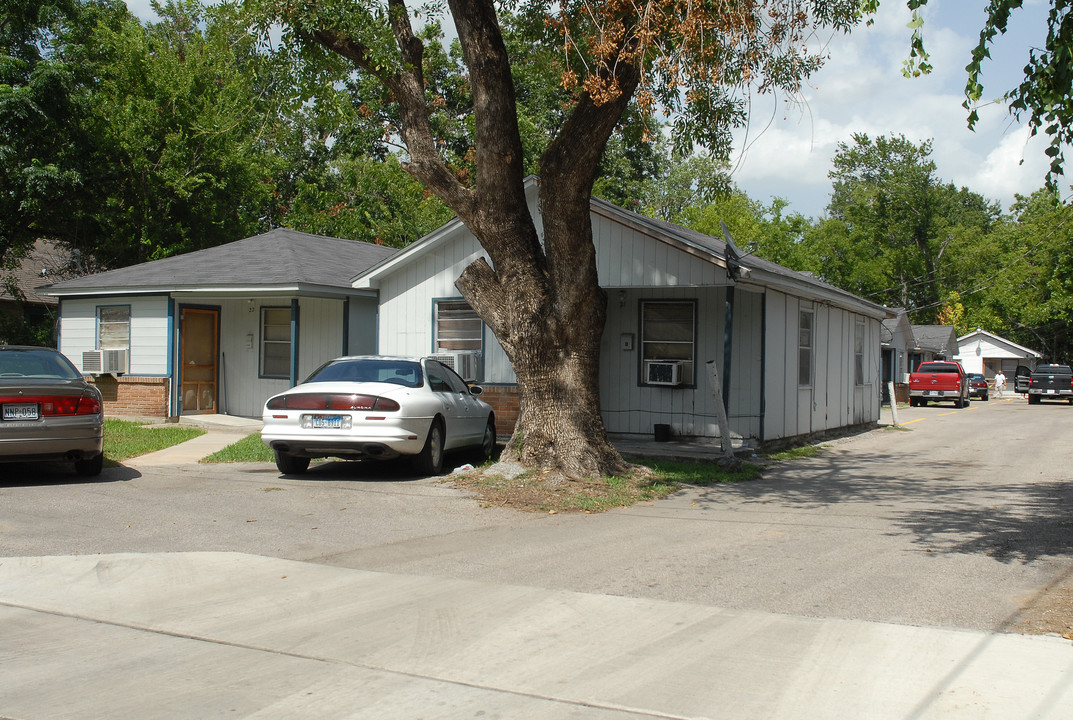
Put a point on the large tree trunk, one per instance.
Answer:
(542, 299)
(551, 332)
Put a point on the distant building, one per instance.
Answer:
(47, 262)
(987, 353)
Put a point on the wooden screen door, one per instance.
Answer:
(199, 361)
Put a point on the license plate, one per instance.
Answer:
(933, 392)
(327, 421)
(21, 411)
(1051, 392)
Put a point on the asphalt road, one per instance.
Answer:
(958, 519)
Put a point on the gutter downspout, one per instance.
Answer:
(728, 347)
(294, 341)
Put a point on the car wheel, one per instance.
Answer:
(488, 443)
(291, 464)
(984, 397)
(430, 460)
(1033, 399)
(91, 467)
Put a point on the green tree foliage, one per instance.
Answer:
(363, 198)
(890, 224)
(41, 140)
(677, 185)
(1024, 285)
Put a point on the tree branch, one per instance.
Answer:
(408, 87)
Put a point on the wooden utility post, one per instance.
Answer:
(893, 403)
(720, 410)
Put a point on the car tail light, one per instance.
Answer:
(59, 405)
(330, 401)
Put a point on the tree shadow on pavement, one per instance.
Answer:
(957, 507)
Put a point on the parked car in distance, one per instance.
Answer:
(977, 386)
(49, 411)
(1021, 379)
(937, 380)
(1050, 382)
(377, 407)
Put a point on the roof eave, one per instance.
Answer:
(308, 289)
(814, 291)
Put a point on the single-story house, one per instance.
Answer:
(987, 353)
(796, 356)
(932, 342)
(218, 330)
(45, 262)
(897, 341)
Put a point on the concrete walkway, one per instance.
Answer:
(221, 431)
(206, 635)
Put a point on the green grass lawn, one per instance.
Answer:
(124, 439)
(248, 449)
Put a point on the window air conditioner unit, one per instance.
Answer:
(114, 361)
(91, 362)
(466, 364)
(663, 372)
(444, 359)
(98, 362)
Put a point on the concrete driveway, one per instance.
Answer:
(877, 580)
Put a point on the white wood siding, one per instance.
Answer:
(632, 408)
(625, 258)
(407, 302)
(148, 331)
(834, 399)
(242, 391)
(765, 399)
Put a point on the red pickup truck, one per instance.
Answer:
(939, 380)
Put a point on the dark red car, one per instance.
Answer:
(977, 386)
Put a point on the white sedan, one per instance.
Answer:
(377, 407)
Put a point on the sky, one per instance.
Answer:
(787, 149)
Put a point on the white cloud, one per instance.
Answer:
(787, 151)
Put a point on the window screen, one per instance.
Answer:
(668, 333)
(113, 327)
(458, 328)
(804, 348)
(858, 352)
(276, 342)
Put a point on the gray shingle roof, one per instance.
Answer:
(278, 257)
(46, 262)
(936, 337)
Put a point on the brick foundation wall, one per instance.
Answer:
(134, 396)
(504, 400)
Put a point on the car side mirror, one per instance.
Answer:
(475, 389)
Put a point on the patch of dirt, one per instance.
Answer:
(1049, 612)
(511, 486)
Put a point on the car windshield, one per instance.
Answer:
(399, 372)
(19, 363)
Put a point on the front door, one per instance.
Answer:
(199, 370)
